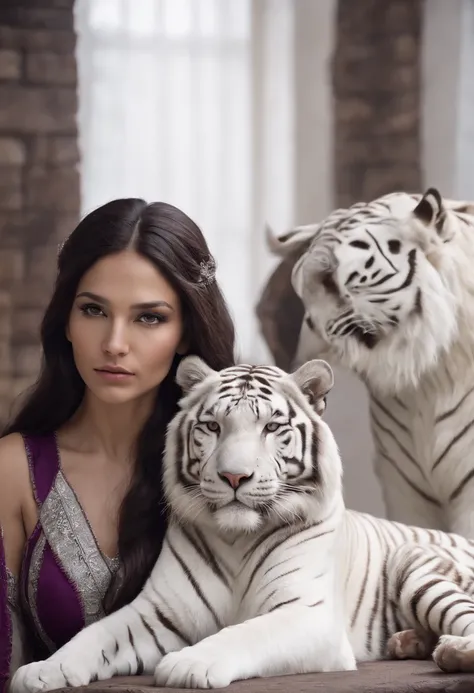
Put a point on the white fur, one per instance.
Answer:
(422, 367)
(273, 577)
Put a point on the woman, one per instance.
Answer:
(81, 500)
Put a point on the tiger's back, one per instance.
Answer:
(378, 557)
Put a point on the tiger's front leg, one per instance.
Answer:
(290, 639)
(130, 641)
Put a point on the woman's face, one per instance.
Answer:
(125, 327)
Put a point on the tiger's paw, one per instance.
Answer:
(193, 668)
(455, 653)
(409, 644)
(48, 675)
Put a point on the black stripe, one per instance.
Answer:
(395, 613)
(180, 452)
(289, 601)
(466, 612)
(410, 483)
(396, 526)
(389, 415)
(139, 661)
(271, 549)
(410, 569)
(456, 438)
(460, 487)
(204, 551)
(262, 381)
(322, 534)
(432, 537)
(452, 541)
(147, 627)
(277, 565)
(315, 470)
(261, 540)
(302, 429)
(383, 589)
(169, 625)
(373, 614)
(401, 404)
(278, 577)
(466, 627)
(408, 279)
(419, 594)
(267, 598)
(195, 585)
(384, 607)
(364, 585)
(381, 250)
(444, 613)
(401, 447)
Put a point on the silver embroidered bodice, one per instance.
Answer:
(62, 547)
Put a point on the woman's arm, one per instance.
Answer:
(15, 496)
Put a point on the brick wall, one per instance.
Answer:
(376, 82)
(39, 182)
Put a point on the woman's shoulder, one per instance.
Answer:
(15, 487)
(13, 459)
(12, 447)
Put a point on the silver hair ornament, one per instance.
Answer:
(207, 273)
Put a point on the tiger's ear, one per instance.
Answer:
(191, 371)
(315, 379)
(294, 241)
(431, 213)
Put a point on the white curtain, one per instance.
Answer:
(191, 102)
(223, 108)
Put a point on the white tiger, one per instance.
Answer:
(263, 571)
(388, 290)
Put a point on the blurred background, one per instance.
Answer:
(239, 112)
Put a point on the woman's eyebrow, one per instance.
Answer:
(153, 304)
(143, 306)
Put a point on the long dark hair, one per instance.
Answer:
(175, 245)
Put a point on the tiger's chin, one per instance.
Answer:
(237, 518)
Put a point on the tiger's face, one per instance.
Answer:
(376, 286)
(249, 447)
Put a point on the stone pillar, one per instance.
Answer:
(39, 180)
(448, 97)
(376, 82)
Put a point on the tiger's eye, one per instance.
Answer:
(272, 426)
(213, 426)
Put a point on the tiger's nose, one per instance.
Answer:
(234, 480)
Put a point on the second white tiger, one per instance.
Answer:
(263, 571)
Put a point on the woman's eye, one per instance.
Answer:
(92, 310)
(151, 319)
(213, 426)
(272, 426)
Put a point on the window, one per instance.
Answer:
(172, 102)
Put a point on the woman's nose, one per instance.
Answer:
(116, 341)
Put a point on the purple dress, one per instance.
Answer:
(64, 574)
